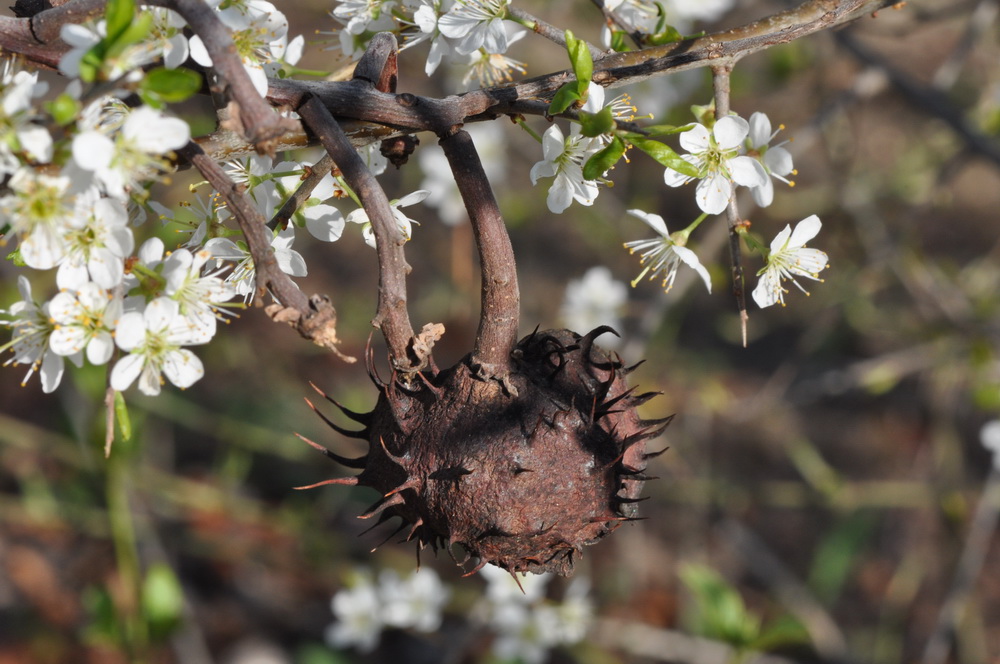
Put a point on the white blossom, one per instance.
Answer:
(664, 254)
(360, 16)
(563, 158)
(716, 154)
(98, 240)
(243, 277)
(776, 160)
(167, 35)
(200, 296)
(404, 223)
(84, 321)
(153, 340)
(414, 602)
(476, 24)
(39, 209)
(787, 259)
(425, 19)
(438, 180)
(490, 69)
(358, 611)
(32, 329)
(134, 154)
(18, 132)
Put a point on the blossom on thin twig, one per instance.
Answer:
(32, 331)
(664, 254)
(476, 24)
(716, 155)
(776, 160)
(563, 158)
(788, 258)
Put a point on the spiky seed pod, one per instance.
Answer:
(521, 476)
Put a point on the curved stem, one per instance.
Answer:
(499, 318)
(391, 317)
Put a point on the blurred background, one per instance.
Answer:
(825, 496)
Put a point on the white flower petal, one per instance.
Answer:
(805, 230)
(130, 331)
(100, 348)
(695, 139)
(760, 129)
(747, 171)
(325, 222)
(713, 193)
(183, 368)
(730, 131)
(654, 221)
(690, 259)
(93, 151)
(125, 371)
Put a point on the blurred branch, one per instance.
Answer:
(925, 98)
(970, 566)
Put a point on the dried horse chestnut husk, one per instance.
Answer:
(521, 475)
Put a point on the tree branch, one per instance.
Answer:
(498, 320)
(313, 317)
(251, 115)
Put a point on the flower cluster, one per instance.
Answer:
(366, 608)
(526, 624)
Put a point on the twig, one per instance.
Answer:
(500, 313)
(313, 317)
(720, 84)
(970, 565)
(317, 172)
(251, 115)
(547, 30)
(391, 316)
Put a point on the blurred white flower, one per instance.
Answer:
(425, 18)
(153, 339)
(244, 275)
(39, 209)
(415, 602)
(716, 154)
(596, 299)
(787, 259)
(438, 178)
(98, 240)
(360, 16)
(359, 616)
(18, 133)
(664, 254)
(989, 435)
(776, 160)
(200, 296)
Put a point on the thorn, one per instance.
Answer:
(346, 481)
(370, 364)
(436, 391)
(643, 398)
(517, 581)
(360, 418)
(382, 505)
(382, 519)
(416, 525)
(636, 475)
(481, 564)
(400, 460)
(452, 473)
(660, 420)
(653, 455)
(629, 501)
(608, 405)
(627, 370)
(362, 434)
(360, 462)
(391, 535)
(411, 483)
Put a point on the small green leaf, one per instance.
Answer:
(16, 258)
(781, 632)
(595, 124)
(618, 41)
(579, 56)
(122, 416)
(669, 35)
(719, 611)
(118, 16)
(133, 34)
(63, 109)
(837, 555)
(170, 85)
(665, 156)
(602, 161)
(565, 97)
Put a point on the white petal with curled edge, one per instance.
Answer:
(149, 380)
(764, 194)
(654, 221)
(768, 289)
(779, 241)
(560, 195)
(779, 160)
(198, 52)
(730, 131)
(691, 260)
(760, 129)
(325, 222)
(291, 262)
(51, 372)
(805, 230)
(125, 371)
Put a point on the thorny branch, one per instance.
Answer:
(313, 317)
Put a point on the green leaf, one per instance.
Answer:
(719, 612)
(16, 258)
(665, 156)
(118, 16)
(133, 34)
(164, 85)
(565, 97)
(579, 56)
(618, 41)
(781, 632)
(602, 161)
(595, 124)
(122, 416)
(668, 35)
(837, 554)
